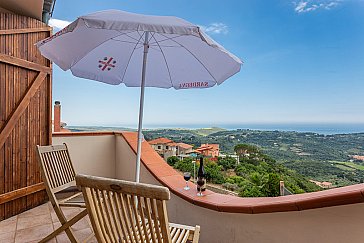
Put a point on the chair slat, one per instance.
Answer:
(68, 165)
(176, 235)
(141, 206)
(102, 217)
(156, 219)
(150, 221)
(132, 215)
(163, 220)
(121, 217)
(137, 218)
(49, 168)
(126, 217)
(61, 173)
(114, 216)
(132, 220)
(109, 222)
(185, 237)
(181, 235)
(55, 169)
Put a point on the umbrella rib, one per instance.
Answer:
(165, 45)
(130, 42)
(132, 37)
(151, 37)
(167, 38)
(195, 58)
(98, 46)
(165, 60)
(126, 68)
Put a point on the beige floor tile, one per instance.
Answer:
(62, 238)
(37, 241)
(33, 233)
(7, 237)
(54, 217)
(92, 240)
(80, 234)
(40, 210)
(8, 225)
(82, 224)
(70, 212)
(28, 222)
(83, 234)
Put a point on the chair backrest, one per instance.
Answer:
(123, 211)
(56, 166)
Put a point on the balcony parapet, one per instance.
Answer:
(170, 178)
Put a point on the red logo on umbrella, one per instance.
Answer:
(107, 63)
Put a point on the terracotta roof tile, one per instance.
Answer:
(160, 141)
(184, 145)
(172, 144)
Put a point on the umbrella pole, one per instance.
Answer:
(141, 108)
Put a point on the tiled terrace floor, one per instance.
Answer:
(35, 224)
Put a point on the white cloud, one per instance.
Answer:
(215, 28)
(312, 5)
(58, 24)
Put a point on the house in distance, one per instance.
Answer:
(167, 148)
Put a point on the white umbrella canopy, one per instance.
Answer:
(114, 47)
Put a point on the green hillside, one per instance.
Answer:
(256, 174)
(316, 156)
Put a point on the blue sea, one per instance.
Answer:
(326, 129)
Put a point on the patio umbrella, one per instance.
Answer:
(137, 50)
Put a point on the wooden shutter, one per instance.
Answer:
(25, 112)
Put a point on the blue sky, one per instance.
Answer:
(303, 63)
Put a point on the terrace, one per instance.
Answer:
(328, 216)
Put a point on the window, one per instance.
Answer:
(159, 147)
(167, 147)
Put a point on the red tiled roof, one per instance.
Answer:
(212, 145)
(184, 145)
(208, 147)
(160, 141)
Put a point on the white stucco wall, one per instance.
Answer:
(111, 156)
(91, 155)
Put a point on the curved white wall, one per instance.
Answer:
(339, 224)
(91, 155)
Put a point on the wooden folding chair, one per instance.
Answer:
(58, 174)
(123, 212)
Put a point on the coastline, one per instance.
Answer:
(320, 128)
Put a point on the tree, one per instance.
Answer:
(227, 162)
(253, 191)
(184, 165)
(271, 187)
(172, 160)
(241, 149)
(213, 173)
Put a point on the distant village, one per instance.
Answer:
(167, 148)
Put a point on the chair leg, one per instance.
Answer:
(66, 226)
(196, 234)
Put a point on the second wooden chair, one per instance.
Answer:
(123, 211)
(58, 174)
